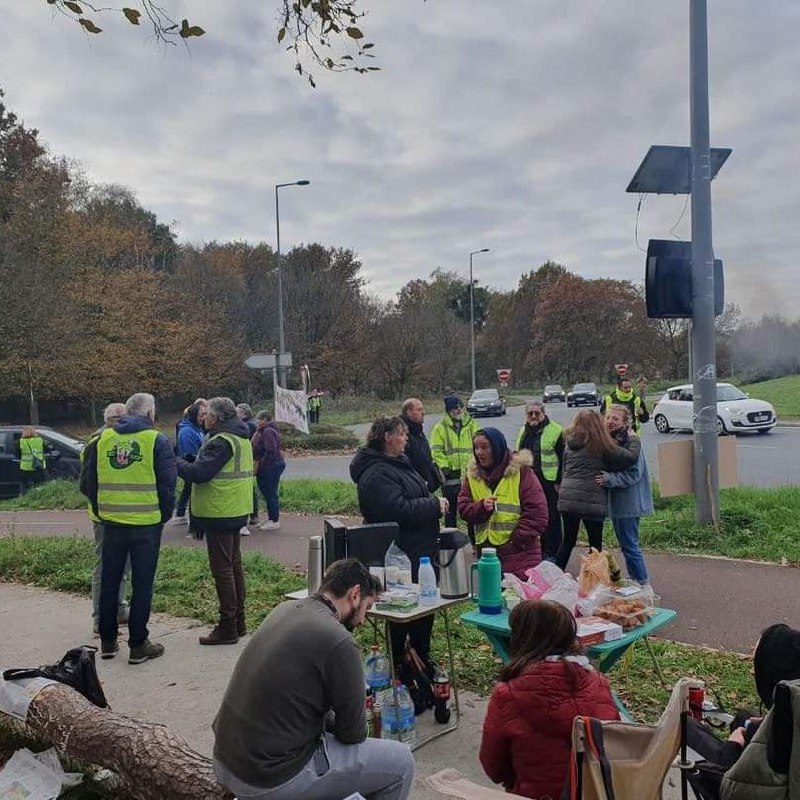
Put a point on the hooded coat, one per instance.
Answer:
(391, 490)
(524, 549)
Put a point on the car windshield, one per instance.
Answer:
(552, 388)
(583, 387)
(68, 441)
(728, 393)
(484, 394)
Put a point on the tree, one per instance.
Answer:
(312, 29)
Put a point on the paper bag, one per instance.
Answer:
(594, 571)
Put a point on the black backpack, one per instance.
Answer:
(76, 669)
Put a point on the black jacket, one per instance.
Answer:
(418, 452)
(532, 440)
(164, 466)
(391, 490)
(211, 459)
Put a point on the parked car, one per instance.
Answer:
(736, 411)
(486, 403)
(62, 457)
(554, 394)
(583, 394)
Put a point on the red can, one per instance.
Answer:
(697, 694)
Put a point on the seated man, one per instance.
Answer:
(300, 665)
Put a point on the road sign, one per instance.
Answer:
(622, 369)
(267, 360)
(504, 375)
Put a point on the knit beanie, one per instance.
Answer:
(777, 658)
(498, 442)
(452, 401)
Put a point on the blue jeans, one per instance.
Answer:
(268, 480)
(141, 544)
(627, 530)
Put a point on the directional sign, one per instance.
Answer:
(267, 360)
(622, 369)
(504, 375)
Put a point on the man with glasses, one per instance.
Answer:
(545, 440)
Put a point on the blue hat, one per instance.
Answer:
(498, 442)
(452, 401)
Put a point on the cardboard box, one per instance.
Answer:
(676, 466)
(594, 630)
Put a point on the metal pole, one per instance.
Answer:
(472, 322)
(706, 467)
(281, 344)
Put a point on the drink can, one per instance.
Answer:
(697, 695)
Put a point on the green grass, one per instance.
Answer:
(184, 588)
(58, 494)
(783, 393)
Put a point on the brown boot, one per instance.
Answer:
(224, 633)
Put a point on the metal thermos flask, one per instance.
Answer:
(315, 563)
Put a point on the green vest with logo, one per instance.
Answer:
(30, 449)
(507, 510)
(547, 449)
(126, 478)
(452, 450)
(230, 492)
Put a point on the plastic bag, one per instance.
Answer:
(398, 567)
(594, 571)
(526, 591)
(544, 575)
(564, 591)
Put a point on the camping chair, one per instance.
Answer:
(628, 761)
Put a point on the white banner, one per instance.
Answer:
(291, 407)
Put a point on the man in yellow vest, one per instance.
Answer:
(129, 476)
(451, 448)
(112, 414)
(624, 395)
(544, 438)
(32, 464)
(222, 500)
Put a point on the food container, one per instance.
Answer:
(628, 612)
(398, 600)
(595, 630)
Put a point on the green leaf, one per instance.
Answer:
(90, 26)
(196, 30)
(188, 30)
(132, 15)
(354, 33)
(347, 58)
(367, 46)
(281, 34)
(329, 63)
(74, 7)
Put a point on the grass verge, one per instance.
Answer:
(184, 588)
(783, 393)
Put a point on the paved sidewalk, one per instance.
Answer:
(721, 603)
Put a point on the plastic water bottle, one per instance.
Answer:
(378, 672)
(427, 582)
(398, 719)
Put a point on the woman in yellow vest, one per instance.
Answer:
(502, 497)
(31, 457)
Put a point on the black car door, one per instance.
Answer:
(10, 478)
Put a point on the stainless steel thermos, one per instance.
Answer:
(316, 561)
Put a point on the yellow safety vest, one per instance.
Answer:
(451, 450)
(126, 478)
(230, 492)
(29, 449)
(507, 510)
(633, 405)
(547, 447)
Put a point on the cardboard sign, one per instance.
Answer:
(676, 466)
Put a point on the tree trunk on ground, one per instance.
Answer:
(151, 762)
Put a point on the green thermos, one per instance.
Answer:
(489, 574)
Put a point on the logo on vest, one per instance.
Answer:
(122, 456)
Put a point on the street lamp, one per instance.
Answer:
(281, 342)
(472, 314)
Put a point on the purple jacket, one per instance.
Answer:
(267, 446)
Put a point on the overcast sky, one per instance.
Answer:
(513, 125)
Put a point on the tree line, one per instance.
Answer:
(100, 300)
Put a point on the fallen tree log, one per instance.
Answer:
(151, 762)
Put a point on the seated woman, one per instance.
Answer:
(527, 734)
(502, 497)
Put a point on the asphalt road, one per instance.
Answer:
(769, 460)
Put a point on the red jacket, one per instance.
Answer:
(528, 727)
(524, 549)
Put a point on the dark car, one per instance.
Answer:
(554, 394)
(486, 403)
(62, 457)
(583, 394)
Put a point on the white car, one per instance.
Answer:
(736, 411)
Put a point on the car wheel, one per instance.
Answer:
(721, 431)
(765, 430)
(660, 421)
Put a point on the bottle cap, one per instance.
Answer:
(425, 560)
(489, 551)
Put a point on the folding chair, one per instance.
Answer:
(629, 761)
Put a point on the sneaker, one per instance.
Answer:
(269, 526)
(244, 530)
(145, 651)
(181, 519)
(109, 649)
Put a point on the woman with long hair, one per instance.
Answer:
(527, 733)
(589, 450)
